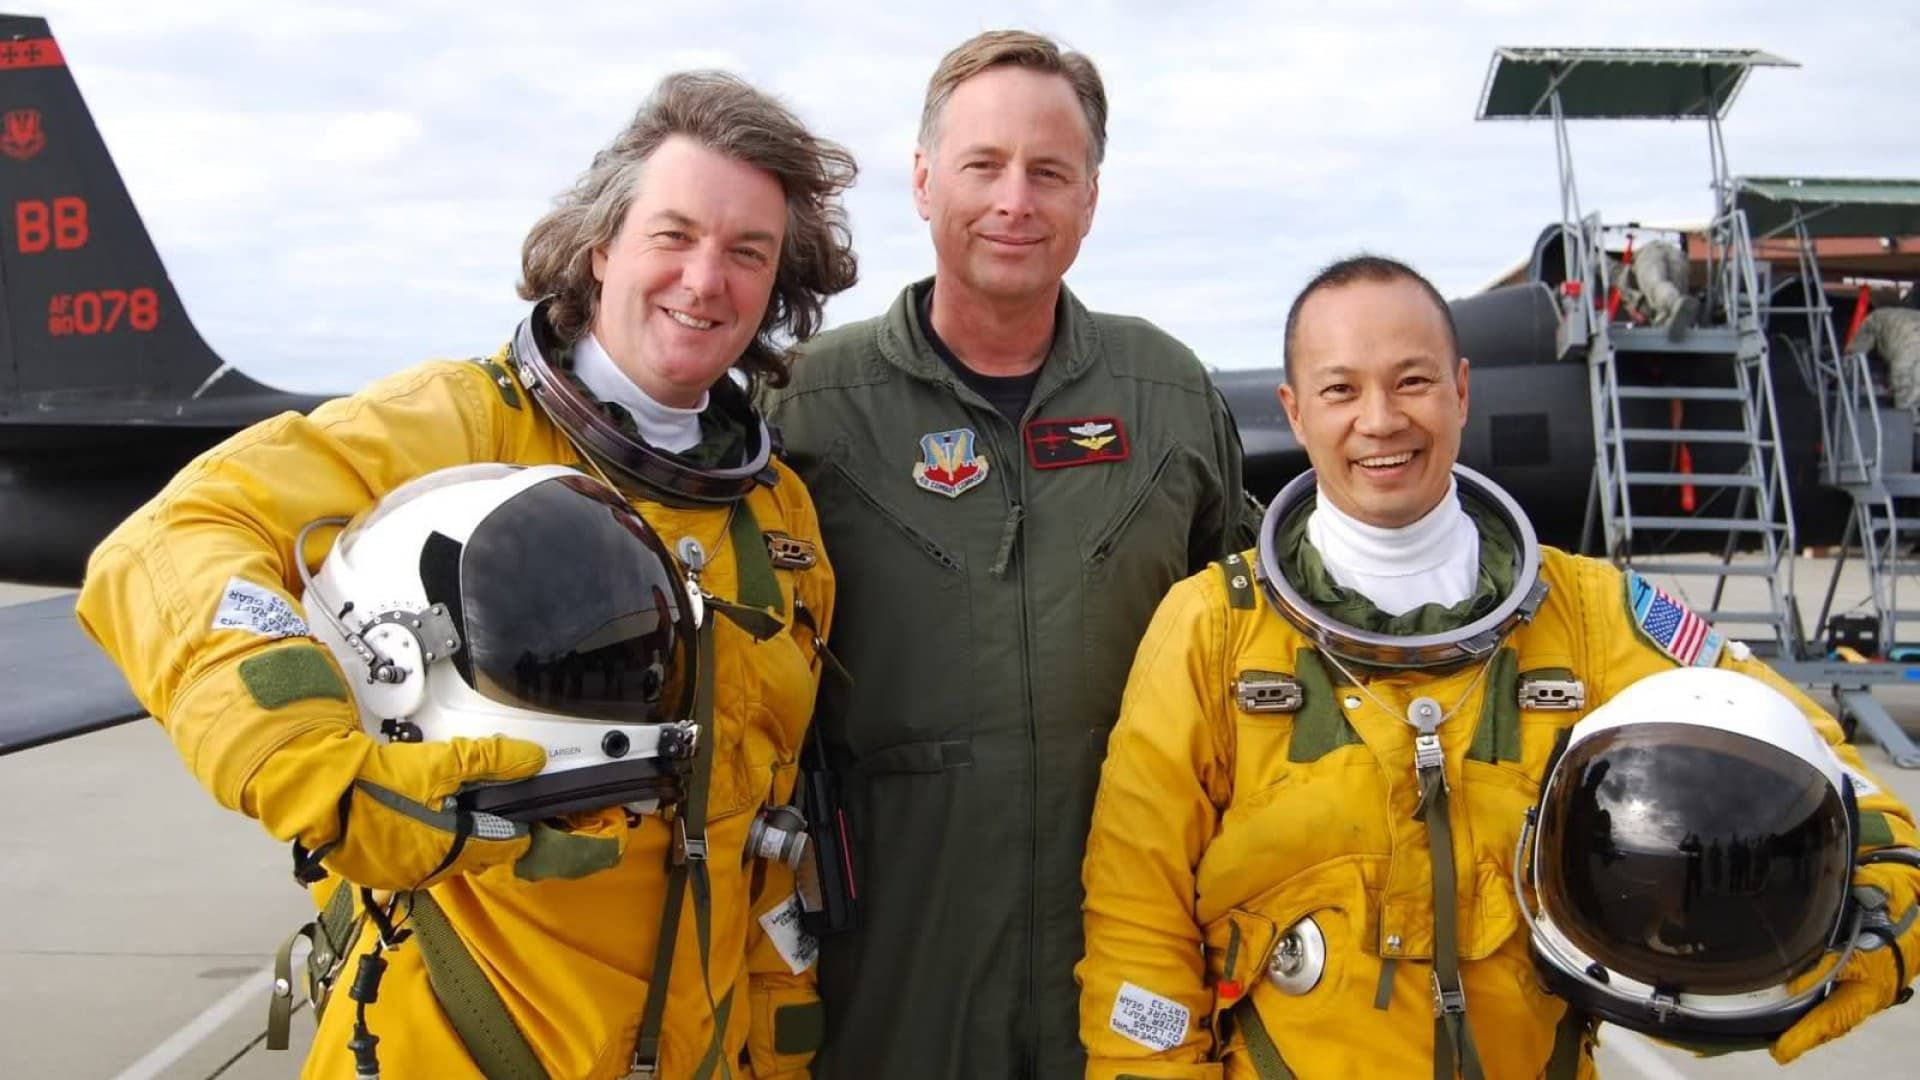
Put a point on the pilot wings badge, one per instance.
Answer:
(1081, 440)
(948, 464)
(1093, 436)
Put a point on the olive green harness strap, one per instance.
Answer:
(1453, 1047)
(330, 935)
(1569, 1037)
(757, 586)
(471, 1004)
(1262, 1054)
(1239, 578)
(687, 860)
(1319, 727)
(712, 1060)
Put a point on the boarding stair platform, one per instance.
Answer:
(1870, 450)
(1687, 453)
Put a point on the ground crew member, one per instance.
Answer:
(1269, 768)
(1018, 480)
(1894, 333)
(1657, 287)
(709, 232)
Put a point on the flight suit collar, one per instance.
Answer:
(1308, 574)
(904, 344)
(723, 426)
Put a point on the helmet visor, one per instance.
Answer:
(569, 604)
(1693, 859)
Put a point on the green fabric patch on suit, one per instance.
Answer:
(1497, 738)
(799, 1029)
(1239, 579)
(1319, 727)
(557, 853)
(279, 677)
(1875, 829)
(758, 587)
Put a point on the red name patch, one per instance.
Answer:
(1084, 440)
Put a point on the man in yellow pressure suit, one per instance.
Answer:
(1302, 852)
(696, 245)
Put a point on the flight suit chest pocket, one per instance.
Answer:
(905, 625)
(1292, 950)
(1132, 552)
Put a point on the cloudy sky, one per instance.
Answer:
(340, 190)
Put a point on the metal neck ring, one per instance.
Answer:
(1364, 647)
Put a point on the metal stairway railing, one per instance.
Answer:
(1869, 456)
(1722, 407)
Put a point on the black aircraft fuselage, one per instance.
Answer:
(107, 390)
(1530, 426)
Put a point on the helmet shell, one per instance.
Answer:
(568, 613)
(1695, 842)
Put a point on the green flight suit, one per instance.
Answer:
(989, 633)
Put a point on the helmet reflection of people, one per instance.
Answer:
(459, 599)
(1692, 857)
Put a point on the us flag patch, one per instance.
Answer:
(1671, 625)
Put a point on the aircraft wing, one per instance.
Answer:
(54, 681)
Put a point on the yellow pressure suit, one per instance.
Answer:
(570, 959)
(1216, 829)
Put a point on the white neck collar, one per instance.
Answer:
(662, 426)
(1433, 560)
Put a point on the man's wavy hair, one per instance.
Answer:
(724, 114)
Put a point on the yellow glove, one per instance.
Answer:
(1875, 977)
(381, 815)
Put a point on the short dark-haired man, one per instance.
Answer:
(1301, 859)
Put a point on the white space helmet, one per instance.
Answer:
(1692, 853)
(531, 602)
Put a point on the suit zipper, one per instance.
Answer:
(1108, 539)
(921, 540)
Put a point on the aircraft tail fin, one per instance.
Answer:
(90, 324)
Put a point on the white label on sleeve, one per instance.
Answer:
(246, 606)
(1147, 1018)
(1862, 786)
(797, 947)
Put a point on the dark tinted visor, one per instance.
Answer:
(1694, 859)
(569, 604)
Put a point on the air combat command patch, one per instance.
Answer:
(948, 464)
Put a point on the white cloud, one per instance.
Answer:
(341, 190)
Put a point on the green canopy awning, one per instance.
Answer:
(1831, 206)
(1618, 84)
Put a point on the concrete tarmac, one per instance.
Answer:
(138, 920)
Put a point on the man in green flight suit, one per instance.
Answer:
(1011, 482)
